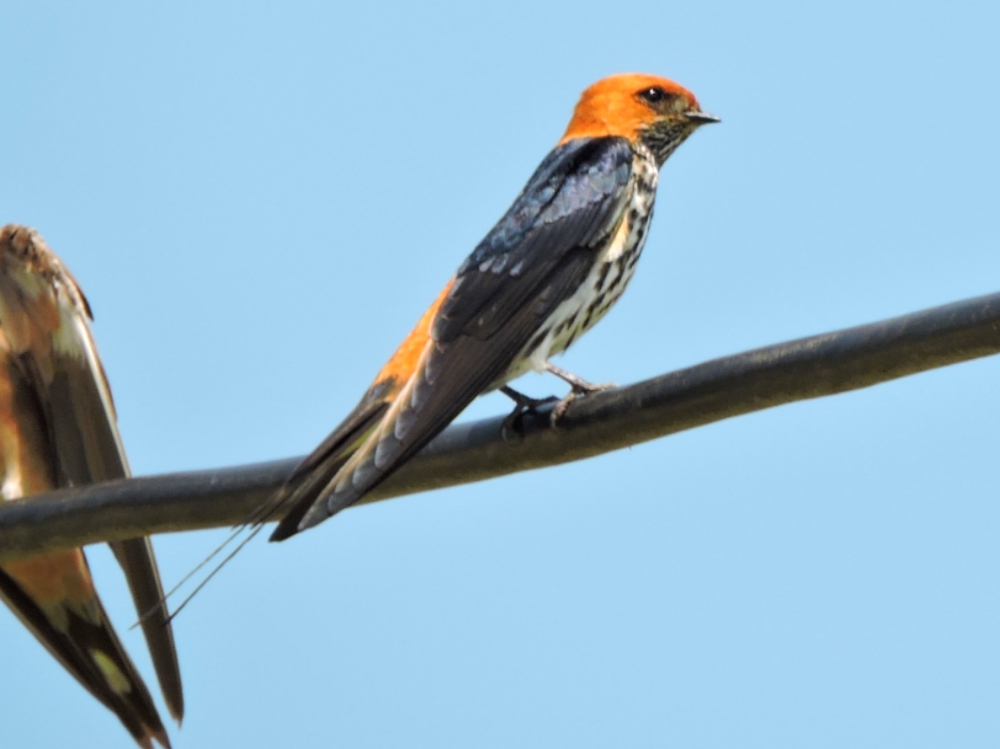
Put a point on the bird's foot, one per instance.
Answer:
(580, 387)
(525, 404)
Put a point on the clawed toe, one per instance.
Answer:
(590, 388)
(579, 391)
(580, 386)
(512, 425)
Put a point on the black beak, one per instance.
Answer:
(701, 118)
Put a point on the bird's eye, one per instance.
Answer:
(653, 95)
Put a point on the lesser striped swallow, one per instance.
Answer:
(58, 428)
(547, 272)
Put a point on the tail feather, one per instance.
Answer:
(92, 653)
(136, 557)
(300, 497)
(309, 480)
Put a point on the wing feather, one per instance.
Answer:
(44, 315)
(325, 461)
(533, 259)
(575, 198)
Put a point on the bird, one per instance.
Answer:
(58, 428)
(550, 269)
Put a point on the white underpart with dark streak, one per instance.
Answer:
(607, 279)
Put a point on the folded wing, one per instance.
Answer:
(58, 428)
(533, 259)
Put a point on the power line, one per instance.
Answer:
(719, 389)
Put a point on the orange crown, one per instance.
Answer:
(612, 107)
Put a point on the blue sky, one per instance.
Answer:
(259, 203)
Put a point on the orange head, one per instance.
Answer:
(646, 109)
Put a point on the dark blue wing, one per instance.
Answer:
(534, 258)
(569, 206)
